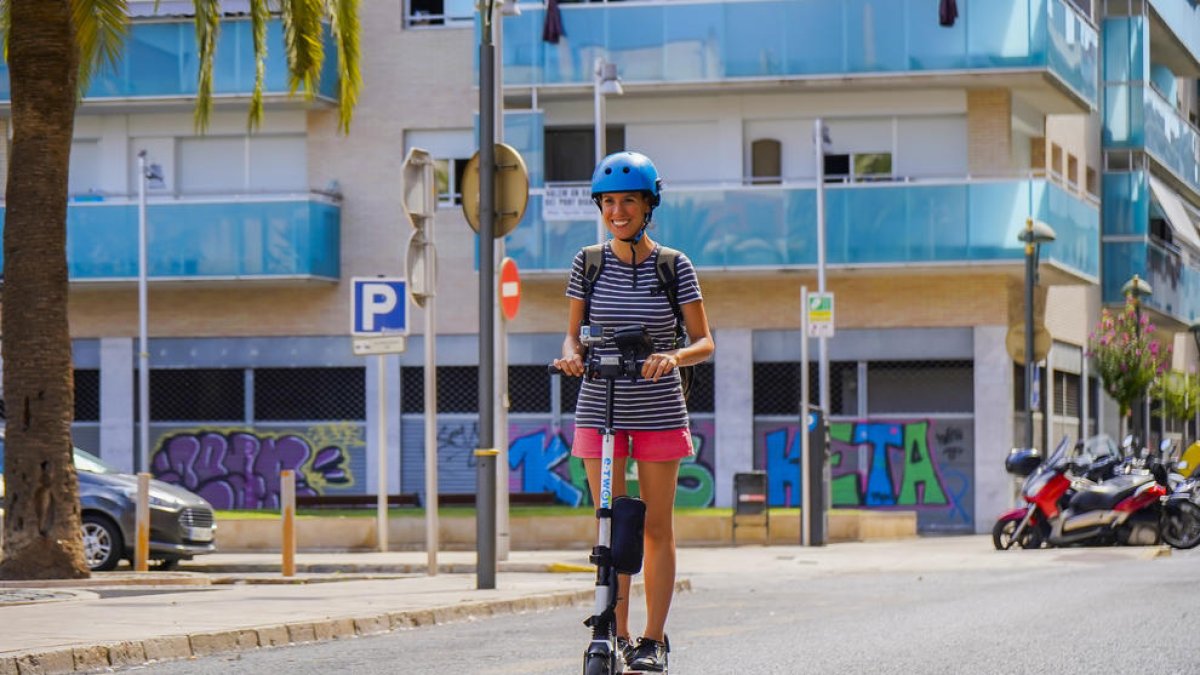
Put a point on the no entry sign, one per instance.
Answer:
(510, 288)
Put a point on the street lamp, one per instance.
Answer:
(604, 82)
(1194, 329)
(1034, 235)
(1137, 289)
(146, 173)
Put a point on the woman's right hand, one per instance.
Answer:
(572, 365)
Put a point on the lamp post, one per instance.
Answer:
(145, 173)
(821, 145)
(1137, 289)
(1034, 235)
(604, 83)
(1194, 329)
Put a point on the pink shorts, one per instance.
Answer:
(650, 446)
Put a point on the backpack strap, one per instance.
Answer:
(593, 264)
(668, 283)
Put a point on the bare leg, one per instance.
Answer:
(656, 485)
(593, 472)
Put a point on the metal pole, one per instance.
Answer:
(141, 551)
(502, 400)
(143, 331)
(381, 489)
(600, 133)
(822, 342)
(431, 443)
(1029, 358)
(1085, 404)
(805, 514)
(485, 496)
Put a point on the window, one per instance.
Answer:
(920, 387)
(1066, 394)
(1072, 170)
(1056, 160)
(87, 395)
(700, 396)
(448, 13)
(1093, 187)
(858, 167)
(777, 387)
(84, 174)
(451, 150)
(766, 162)
(457, 389)
(197, 394)
(1020, 404)
(570, 151)
(309, 394)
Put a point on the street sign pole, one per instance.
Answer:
(381, 497)
(805, 533)
(485, 452)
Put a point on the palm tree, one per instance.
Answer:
(53, 46)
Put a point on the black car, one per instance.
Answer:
(181, 523)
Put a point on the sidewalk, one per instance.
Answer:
(230, 602)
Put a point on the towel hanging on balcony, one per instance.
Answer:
(947, 12)
(552, 28)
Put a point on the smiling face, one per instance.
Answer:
(624, 212)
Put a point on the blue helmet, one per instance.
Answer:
(627, 172)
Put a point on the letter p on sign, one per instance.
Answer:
(380, 306)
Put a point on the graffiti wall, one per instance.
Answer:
(920, 464)
(539, 457)
(238, 468)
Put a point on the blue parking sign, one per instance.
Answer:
(380, 306)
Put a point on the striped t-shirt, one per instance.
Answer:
(625, 296)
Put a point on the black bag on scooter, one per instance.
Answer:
(628, 530)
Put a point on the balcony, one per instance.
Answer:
(1174, 276)
(1181, 18)
(961, 222)
(160, 61)
(1139, 117)
(680, 41)
(284, 237)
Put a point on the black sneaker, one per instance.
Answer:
(625, 650)
(650, 656)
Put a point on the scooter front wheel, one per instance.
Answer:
(600, 664)
(1002, 535)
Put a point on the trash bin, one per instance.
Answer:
(750, 504)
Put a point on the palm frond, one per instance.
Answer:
(302, 38)
(260, 13)
(100, 30)
(345, 26)
(4, 24)
(208, 27)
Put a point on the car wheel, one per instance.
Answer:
(102, 542)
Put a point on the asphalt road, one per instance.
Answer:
(953, 607)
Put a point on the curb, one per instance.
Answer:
(108, 655)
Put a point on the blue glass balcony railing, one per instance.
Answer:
(1139, 117)
(1175, 282)
(246, 237)
(160, 60)
(687, 41)
(866, 224)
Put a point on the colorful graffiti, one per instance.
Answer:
(235, 468)
(541, 461)
(913, 464)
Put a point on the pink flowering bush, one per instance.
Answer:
(1126, 354)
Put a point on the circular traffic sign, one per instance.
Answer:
(510, 288)
(511, 192)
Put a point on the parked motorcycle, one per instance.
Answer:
(1065, 507)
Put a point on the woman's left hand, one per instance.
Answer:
(659, 364)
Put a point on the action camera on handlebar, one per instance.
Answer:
(633, 343)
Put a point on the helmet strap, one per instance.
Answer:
(633, 241)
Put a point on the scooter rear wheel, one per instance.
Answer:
(1002, 535)
(1182, 529)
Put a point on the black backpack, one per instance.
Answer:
(668, 283)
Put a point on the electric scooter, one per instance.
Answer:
(621, 521)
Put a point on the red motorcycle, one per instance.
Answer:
(1064, 509)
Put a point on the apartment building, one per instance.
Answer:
(944, 135)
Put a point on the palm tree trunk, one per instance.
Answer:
(42, 536)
